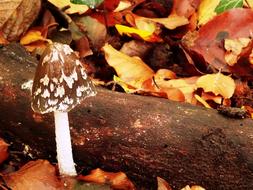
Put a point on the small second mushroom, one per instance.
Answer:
(60, 83)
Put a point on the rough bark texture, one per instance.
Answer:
(142, 136)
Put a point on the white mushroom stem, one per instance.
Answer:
(63, 144)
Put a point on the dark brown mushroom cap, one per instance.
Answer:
(60, 81)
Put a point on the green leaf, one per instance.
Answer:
(228, 4)
(90, 3)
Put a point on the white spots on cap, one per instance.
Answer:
(84, 75)
(52, 56)
(37, 92)
(44, 80)
(63, 47)
(70, 79)
(68, 100)
(27, 85)
(51, 87)
(55, 80)
(79, 91)
(78, 62)
(60, 91)
(63, 107)
(52, 102)
(45, 94)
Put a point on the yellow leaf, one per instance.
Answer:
(218, 84)
(202, 101)
(32, 36)
(73, 8)
(172, 22)
(130, 31)
(132, 70)
(185, 85)
(248, 3)
(127, 88)
(206, 11)
(234, 47)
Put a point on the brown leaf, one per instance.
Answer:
(15, 21)
(117, 180)
(3, 150)
(38, 174)
(195, 187)
(96, 31)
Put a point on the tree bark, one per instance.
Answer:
(145, 137)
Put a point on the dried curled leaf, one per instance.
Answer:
(73, 8)
(234, 47)
(218, 84)
(131, 70)
(15, 21)
(38, 174)
(117, 180)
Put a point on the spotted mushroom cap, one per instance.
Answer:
(60, 81)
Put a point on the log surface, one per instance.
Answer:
(145, 137)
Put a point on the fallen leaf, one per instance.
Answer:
(123, 5)
(90, 3)
(96, 31)
(16, 20)
(162, 184)
(3, 150)
(206, 11)
(202, 101)
(117, 180)
(211, 36)
(131, 70)
(195, 187)
(218, 84)
(72, 8)
(38, 174)
(148, 36)
(233, 49)
(136, 48)
(185, 85)
(228, 4)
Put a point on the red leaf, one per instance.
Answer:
(207, 45)
(3, 150)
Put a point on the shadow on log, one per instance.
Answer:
(142, 136)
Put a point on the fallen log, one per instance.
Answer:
(145, 137)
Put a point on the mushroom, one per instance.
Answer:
(60, 83)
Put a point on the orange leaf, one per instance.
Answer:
(218, 84)
(3, 41)
(162, 184)
(132, 70)
(3, 150)
(38, 174)
(117, 180)
(185, 85)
